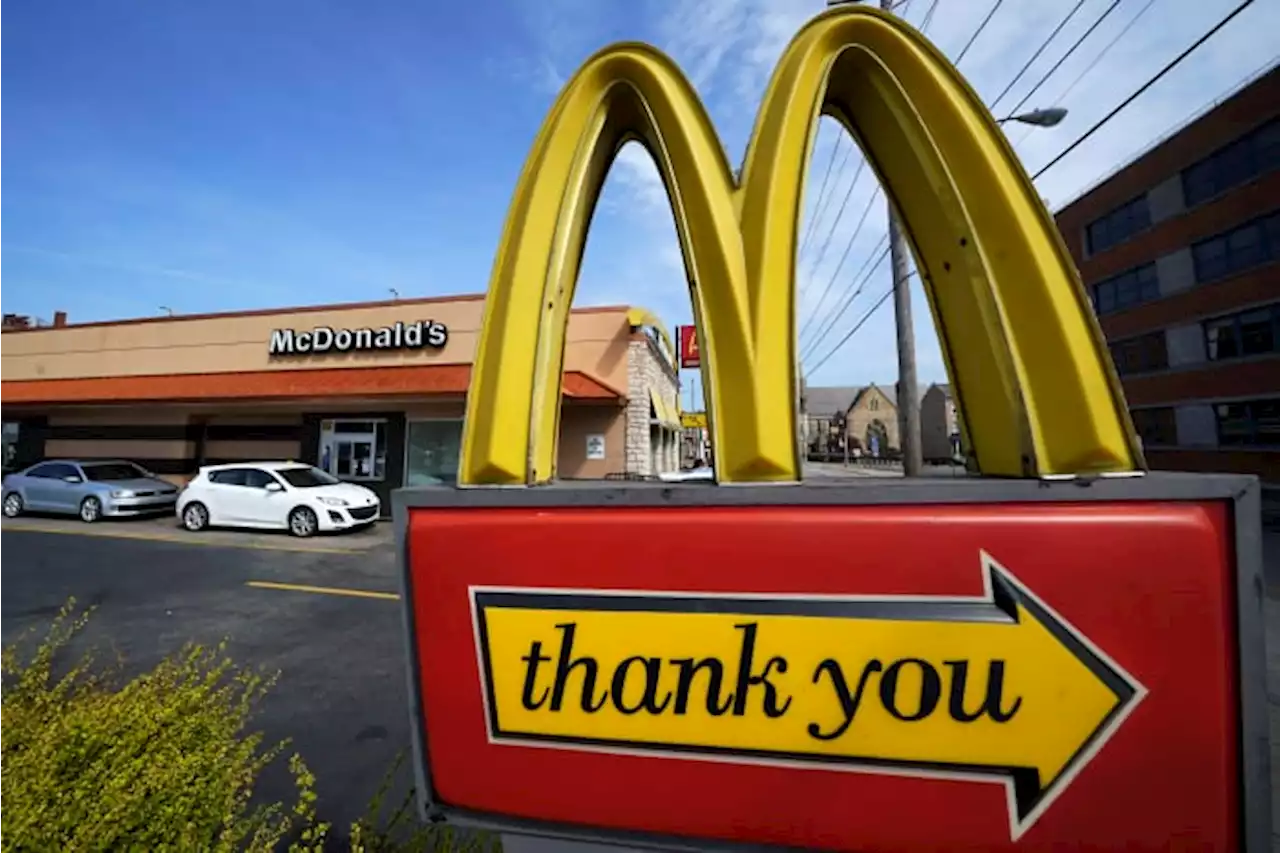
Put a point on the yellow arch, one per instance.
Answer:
(1027, 361)
(637, 316)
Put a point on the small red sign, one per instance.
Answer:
(688, 346)
(999, 677)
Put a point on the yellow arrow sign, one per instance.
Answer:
(693, 420)
(997, 687)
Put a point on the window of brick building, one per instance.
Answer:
(1118, 225)
(1246, 246)
(1127, 289)
(1140, 354)
(1245, 333)
(1157, 426)
(1254, 423)
(1256, 153)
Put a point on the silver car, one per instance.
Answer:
(91, 490)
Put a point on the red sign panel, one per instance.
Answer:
(688, 346)
(978, 677)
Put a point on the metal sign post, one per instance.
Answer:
(1067, 657)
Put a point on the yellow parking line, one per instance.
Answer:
(324, 590)
(177, 538)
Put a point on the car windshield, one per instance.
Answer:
(307, 478)
(113, 471)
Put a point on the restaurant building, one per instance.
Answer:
(371, 392)
(1180, 253)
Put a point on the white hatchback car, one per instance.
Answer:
(274, 495)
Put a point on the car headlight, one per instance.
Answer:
(332, 501)
(121, 493)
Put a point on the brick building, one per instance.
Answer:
(1180, 253)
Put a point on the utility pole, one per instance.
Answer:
(908, 397)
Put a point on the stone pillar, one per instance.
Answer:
(638, 405)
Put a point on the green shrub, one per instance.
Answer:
(163, 762)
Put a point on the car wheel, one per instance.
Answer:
(195, 516)
(303, 522)
(90, 510)
(12, 505)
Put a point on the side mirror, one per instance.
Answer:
(273, 487)
(72, 478)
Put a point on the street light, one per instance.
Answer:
(1040, 118)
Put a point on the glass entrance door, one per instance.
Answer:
(354, 450)
(11, 429)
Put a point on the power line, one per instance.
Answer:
(978, 32)
(1173, 63)
(859, 282)
(848, 247)
(845, 339)
(924, 26)
(1065, 56)
(870, 268)
(1093, 64)
(822, 253)
(1191, 116)
(1036, 55)
(928, 16)
(822, 191)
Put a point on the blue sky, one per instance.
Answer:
(237, 155)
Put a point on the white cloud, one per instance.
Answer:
(729, 47)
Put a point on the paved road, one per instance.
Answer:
(341, 694)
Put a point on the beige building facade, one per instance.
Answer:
(373, 392)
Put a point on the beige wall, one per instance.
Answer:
(578, 422)
(596, 343)
(247, 450)
(442, 409)
(131, 448)
(111, 416)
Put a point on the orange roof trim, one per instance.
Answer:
(413, 380)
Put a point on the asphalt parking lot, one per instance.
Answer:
(323, 612)
(328, 621)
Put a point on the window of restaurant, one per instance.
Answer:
(433, 448)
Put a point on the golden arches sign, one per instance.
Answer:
(1034, 386)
